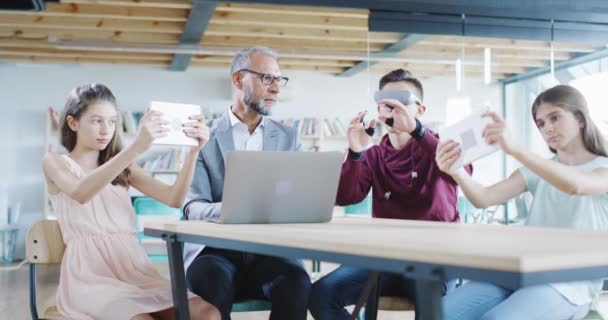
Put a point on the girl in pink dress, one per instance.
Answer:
(105, 273)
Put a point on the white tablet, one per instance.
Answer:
(467, 132)
(177, 114)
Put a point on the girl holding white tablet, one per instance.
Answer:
(570, 191)
(105, 273)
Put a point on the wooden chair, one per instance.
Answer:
(44, 245)
(395, 304)
(388, 303)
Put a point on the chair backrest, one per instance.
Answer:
(362, 208)
(44, 242)
(395, 304)
(149, 206)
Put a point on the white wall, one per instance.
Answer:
(28, 90)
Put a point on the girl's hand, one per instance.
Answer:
(497, 132)
(447, 153)
(151, 126)
(198, 130)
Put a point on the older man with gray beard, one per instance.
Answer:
(221, 276)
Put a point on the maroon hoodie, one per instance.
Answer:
(406, 183)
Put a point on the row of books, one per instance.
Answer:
(334, 127)
(130, 121)
(316, 126)
(170, 160)
(326, 127)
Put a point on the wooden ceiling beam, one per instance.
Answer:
(41, 33)
(327, 34)
(296, 45)
(42, 20)
(111, 12)
(39, 59)
(88, 23)
(294, 10)
(289, 61)
(26, 43)
(290, 21)
(76, 54)
(324, 69)
(166, 4)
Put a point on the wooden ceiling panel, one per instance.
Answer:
(115, 12)
(290, 44)
(294, 10)
(78, 60)
(84, 54)
(56, 35)
(286, 20)
(282, 61)
(89, 24)
(167, 4)
(312, 38)
(272, 32)
(323, 69)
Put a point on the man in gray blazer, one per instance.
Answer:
(222, 276)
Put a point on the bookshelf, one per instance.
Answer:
(324, 134)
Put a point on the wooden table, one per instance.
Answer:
(429, 252)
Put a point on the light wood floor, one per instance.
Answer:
(14, 293)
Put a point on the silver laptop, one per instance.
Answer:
(280, 187)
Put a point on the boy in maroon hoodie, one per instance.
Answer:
(405, 182)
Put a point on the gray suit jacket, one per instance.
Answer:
(205, 197)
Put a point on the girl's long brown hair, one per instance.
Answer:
(572, 100)
(77, 104)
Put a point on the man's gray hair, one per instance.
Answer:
(242, 58)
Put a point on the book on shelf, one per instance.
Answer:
(170, 160)
(130, 122)
(332, 128)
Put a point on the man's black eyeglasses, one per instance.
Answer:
(267, 78)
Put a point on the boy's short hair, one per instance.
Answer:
(402, 75)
